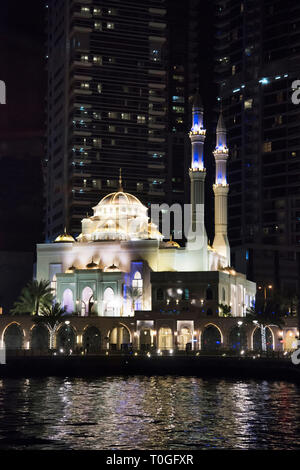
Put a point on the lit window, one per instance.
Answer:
(248, 103)
(84, 58)
(97, 60)
(85, 10)
(99, 88)
(96, 115)
(98, 26)
(267, 147)
(139, 187)
(84, 183)
(112, 11)
(141, 119)
(97, 142)
(178, 109)
(85, 85)
(112, 115)
(110, 25)
(97, 12)
(96, 184)
(111, 183)
(233, 70)
(112, 128)
(125, 116)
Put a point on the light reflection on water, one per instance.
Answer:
(186, 413)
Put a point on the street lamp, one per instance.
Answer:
(265, 287)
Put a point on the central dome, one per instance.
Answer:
(119, 197)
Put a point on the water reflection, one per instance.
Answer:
(148, 413)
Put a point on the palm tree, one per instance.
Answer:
(133, 294)
(34, 296)
(265, 313)
(225, 309)
(51, 316)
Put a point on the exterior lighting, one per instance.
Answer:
(148, 354)
(240, 323)
(264, 81)
(179, 291)
(242, 352)
(61, 350)
(171, 351)
(67, 322)
(158, 351)
(255, 322)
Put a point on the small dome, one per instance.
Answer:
(64, 238)
(71, 269)
(112, 268)
(92, 265)
(171, 244)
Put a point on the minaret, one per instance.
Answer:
(221, 244)
(197, 175)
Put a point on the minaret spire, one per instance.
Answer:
(221, 188)
(197, 175)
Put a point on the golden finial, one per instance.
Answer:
(120, 180)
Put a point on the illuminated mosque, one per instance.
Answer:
(120, 263)
(124, 287)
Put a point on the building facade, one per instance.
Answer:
(256, 62)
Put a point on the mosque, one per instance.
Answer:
(123, 285)
(120, 263)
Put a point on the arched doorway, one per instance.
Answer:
(211, 338)
(91, 340)
(87, 301)
(145, 339)
(67, 301)
(108, 302)
(65, 339)
(119, 338)
(165, 338)
(40, 338)
(137, 284)
(13, 337)
(290, 340)
(258, 340)
(237, 338)
(185, 337)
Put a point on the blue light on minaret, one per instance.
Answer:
(221, 188)
(197, 135)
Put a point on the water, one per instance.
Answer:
(171, 413)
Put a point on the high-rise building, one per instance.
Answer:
(106, 104)
(256, 61)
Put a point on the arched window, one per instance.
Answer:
(165, 338)
(87, 301)
(209, 293)
(67, 301)
(137, 283)
(108, 301)
(160, 294)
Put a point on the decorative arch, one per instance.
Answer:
(211, 337)
(137, 283)
(87, 301)
(109, 302)
(66, 338)
(145, 338)
(165, 338)
(119, 337)
(68, 300)
(91, 339)
(257, 340)
(185, 336)
(40, 337)
(238, 338)
(13, 336)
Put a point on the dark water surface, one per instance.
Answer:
(185, 413)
